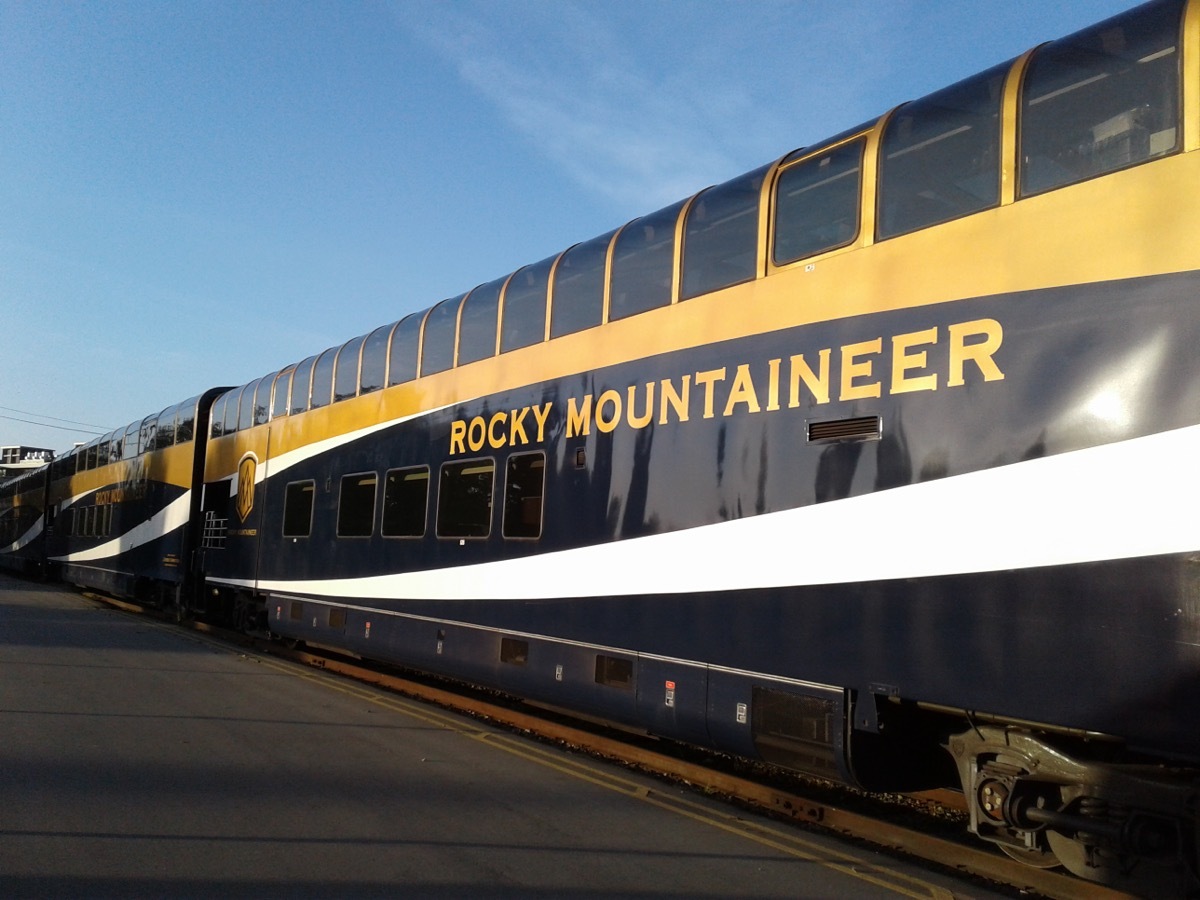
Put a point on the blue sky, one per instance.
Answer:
(196, 193)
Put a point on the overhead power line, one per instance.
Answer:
(44, 425)
(26, 412)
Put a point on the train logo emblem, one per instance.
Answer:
(245, 486)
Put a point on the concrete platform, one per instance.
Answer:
(138, 760)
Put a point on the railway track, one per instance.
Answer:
(878, 829)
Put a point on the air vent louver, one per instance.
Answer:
(860, 428)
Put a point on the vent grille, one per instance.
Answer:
(860, 428)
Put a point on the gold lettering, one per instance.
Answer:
(851, 369)
(708, 379)
(677, 400)
(611, 397)
(458, 434)
(636, 421)
(903, 361)
(773, 384)
(494, 441)
(541, 414)
(980, 352)
(818, 385)
(742, 391)
(579, 421)
(976, 342)
(476, 434)
(516, 426)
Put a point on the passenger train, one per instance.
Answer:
(877, 463)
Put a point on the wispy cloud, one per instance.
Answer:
(640, 128)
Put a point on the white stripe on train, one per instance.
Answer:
(1116, 501)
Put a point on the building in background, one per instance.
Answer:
(15, 460)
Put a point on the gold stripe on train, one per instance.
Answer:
(172, 465)
(1051, 240)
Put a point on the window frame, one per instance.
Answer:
(404, 345)
(304, 383)
(596, 256)
(479, 323)
(801, 159)
(897, 179)
(340, 531)
(372, 341)
(1077, 43)
(286, 518)
(519, 317)
(510, 501)
(341, 361)
(638, 262)
(384, 519)
(322, 369)
(717, 234)
(464, 465)
(439, 334)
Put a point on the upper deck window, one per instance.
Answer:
(165, 435)
(720, 236)
(345, 379)
(524, 319)
(246, 413)
(643, 266)
(817, 202)
(301, 379)
(186, 427)
(402, 361)
(940, 156)
(1102, 99)
(146, 441)
(578, 301)
(477, 324)
(129, 444)
(231, 412)
(374, 360)
(322, 379)
(437, 350)
(279, 394)
(262, 399)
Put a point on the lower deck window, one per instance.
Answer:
(298, 508)
(465, 499)
(405, 502)
(356, 505)
(524, 484)
(614, 671)
(514, 652)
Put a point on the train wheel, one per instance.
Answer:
(1038, 859)
(1145, 878)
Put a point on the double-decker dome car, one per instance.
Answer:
(873, 463)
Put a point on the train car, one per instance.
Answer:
(23, 522)
(126, 507)
(875, 462)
